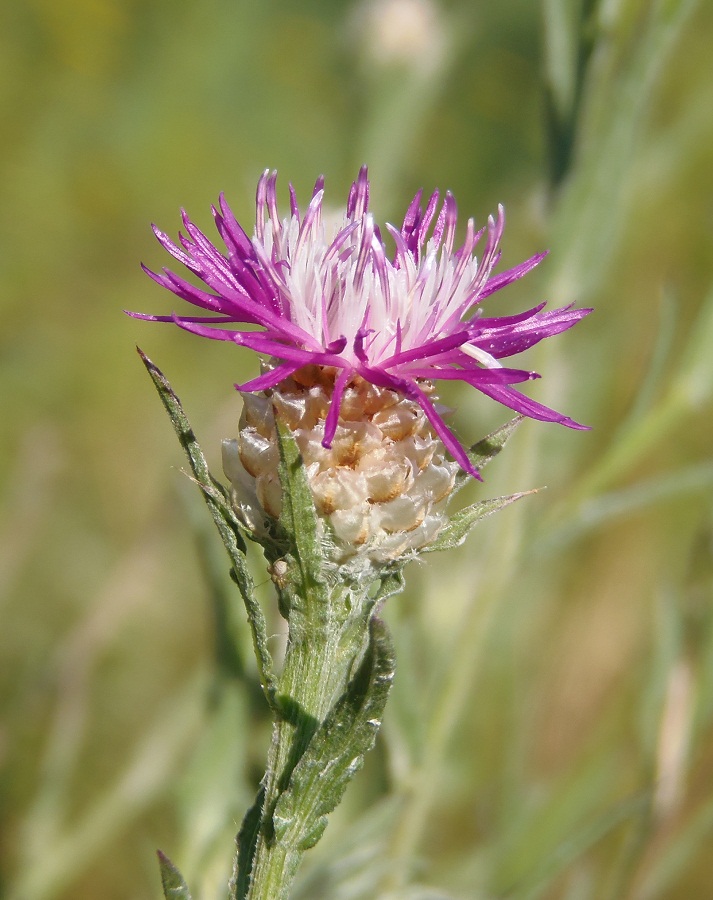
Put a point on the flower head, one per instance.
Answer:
(337, 299)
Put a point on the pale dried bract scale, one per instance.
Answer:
(258, 454)
(269, 493)
(380, 490)
(400, 421)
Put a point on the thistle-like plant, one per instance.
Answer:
(340, 468)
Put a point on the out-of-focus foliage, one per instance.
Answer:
(550, 732)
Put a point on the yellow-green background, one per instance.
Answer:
(551, 729)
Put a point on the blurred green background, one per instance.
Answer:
(550, 734)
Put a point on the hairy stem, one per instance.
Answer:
(317, 669)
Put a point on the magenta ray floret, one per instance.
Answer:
(332, 297)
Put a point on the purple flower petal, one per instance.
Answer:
(528, 407)
(476, 377)
(330, 424)
(268, 380)
(334, 298)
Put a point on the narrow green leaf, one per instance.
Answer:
(484, 451)
(462, 523)
(246, 842)
(615, 505)
(214, 491)
(568, 45)
(225, 520)
(336, 751)
(298, 522)
(555, 860)
(174, 887)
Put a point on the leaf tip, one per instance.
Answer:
(173, 883)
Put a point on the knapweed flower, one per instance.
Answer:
(353, 338)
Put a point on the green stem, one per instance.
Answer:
(316, 671)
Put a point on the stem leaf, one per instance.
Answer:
(336, 751)
(215, 495)
(462, 523)
(174, 886)
(225, 520)
(392, 583)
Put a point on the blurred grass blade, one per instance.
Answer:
(608, 508)
(147, 776)
(671, 862)
(593, 208)
(568, 44)
(579, 841)
(651, 384)
(690, 389)
(174, 886)
(352, 868)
